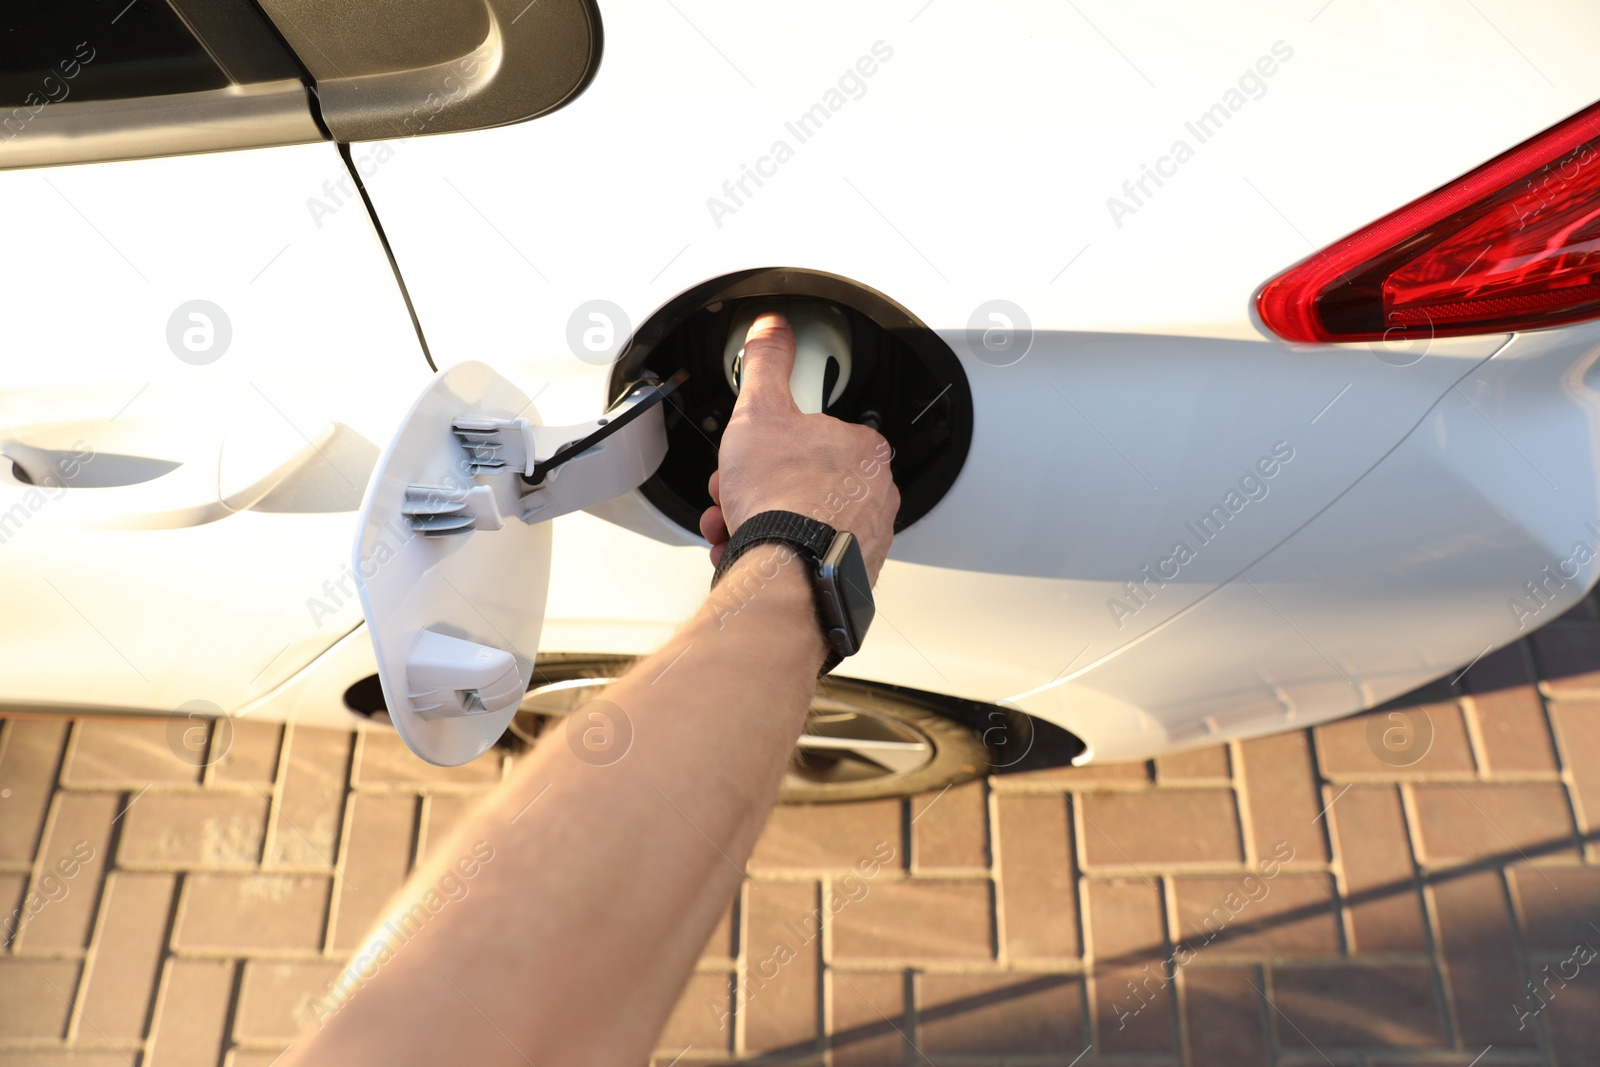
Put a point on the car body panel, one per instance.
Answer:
(1480, 526)
(998, 174)
(1147, 389)
(217, 605)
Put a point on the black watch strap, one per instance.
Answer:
(810, 537)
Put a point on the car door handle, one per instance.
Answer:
(201, 482)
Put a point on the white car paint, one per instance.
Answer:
(1148, 391)
(988, 155)
(211, 604)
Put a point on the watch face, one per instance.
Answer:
(847, 569)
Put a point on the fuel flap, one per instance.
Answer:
(452, 553)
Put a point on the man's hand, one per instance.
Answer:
(774, 458)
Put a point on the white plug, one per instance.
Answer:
(821, 335)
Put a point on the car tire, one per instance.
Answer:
(862, 741)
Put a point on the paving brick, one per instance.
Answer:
(29, 755)
(1224, 1016)
(38, 998)
(1558, 905)
(192, 1013)
(1573, 1020)
(334, 989)
(135, 752)
(1291, 914)
(1126, 921)
(1383, 1005)
(30, 921)
(783, 928)
(251, 754)
(12, 896)
(1516, 737)
(1369, 830)
(951, 830)
(1577, 724)
(1283, 796)
(1543, 984)
(1197, 763)
(66, 1058)
(1349, 747)
(869, 1018)
(243, 1057)
(1475, 940)
(381, 830)
(385, 759)
(249, 913)
(308, 814)
(722, 945)
(71, 858)
(127, 954)
(831, 837)
(278, 1001)
(999, 1014)
(1132, 967)
(1037, 886)
(1133, 1008)
(442, 813)
(210, 829)
(899, 920)
(1568, 658)
(702, 1021)
(1165, 826)
(1092, 776)
(1469, 822)
(913, 921)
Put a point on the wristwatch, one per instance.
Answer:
(838, 574)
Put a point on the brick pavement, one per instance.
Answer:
(1287, 900)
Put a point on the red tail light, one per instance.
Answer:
(1514, 245)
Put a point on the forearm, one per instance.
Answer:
(572, 942)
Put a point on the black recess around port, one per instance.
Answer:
(905, 380)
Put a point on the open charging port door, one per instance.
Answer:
(452, 552)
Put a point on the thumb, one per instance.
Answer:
(768, 363)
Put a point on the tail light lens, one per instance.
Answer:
(1514, 245)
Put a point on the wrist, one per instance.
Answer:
(771, 586)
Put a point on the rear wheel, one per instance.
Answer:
(861, 741)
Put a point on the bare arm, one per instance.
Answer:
(593, 888)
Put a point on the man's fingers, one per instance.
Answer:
(715, 487)
(713, 526)
(768, 363)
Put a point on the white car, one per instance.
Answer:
(1191, 448)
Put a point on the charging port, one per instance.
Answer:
(904, 382)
